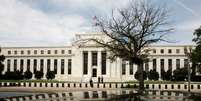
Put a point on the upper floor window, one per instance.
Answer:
(62, 51)
(55, 51)
(22, 52)
(94, 58)
(28, 52)
(48, 52)
(154, 50)
(42, 52)
(69, 51)
(35, 51)
(15, 52)
(162, 51)
(177, 51)
(169, 51)
(9, 52)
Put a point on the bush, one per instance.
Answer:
(137, 73)
(180, 74)
(16, 75)
(153, 75)
(28, 74)
(50, 75)
(39, 74)
(166, 75)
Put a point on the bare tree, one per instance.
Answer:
(131, 30)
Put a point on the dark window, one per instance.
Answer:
(21, 65)
(154, 50)
(69, 66)
(35, 51)
(69, 51)
(28, 64)
(42, 51)
(154, 64)
(9, 52)
(169, 51)
(177, 63)
(85, 62)
(94, 58)
(123, 67)
(55, 66)
(15, 52)
(35, 65)
(162, 65)
(8, 65)
(48, 64)
(22, 52)
(177, 51)
(94, 72)
(162, 51)
(62, 66)
(15, 64)
(41, 65)
(28, 52)
(103, 63)
(170, 64)
(131, 68)
(48, 52)
(55, 51)
(62, 51)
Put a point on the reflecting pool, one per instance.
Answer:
(106, 95)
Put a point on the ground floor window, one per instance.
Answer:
(94, 72)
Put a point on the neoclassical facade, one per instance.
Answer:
(84, 60)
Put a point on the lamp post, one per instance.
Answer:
(189, 78)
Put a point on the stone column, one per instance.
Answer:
(158, 68)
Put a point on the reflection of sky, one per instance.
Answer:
(54, 22)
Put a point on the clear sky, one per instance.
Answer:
(55, 22)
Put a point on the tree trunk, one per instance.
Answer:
(141, 79)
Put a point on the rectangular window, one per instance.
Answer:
(154, 64)
(85, 62)
(123, 67)
(55, 66)
(170, 64)
(154, 51)
(15, 52)
(69, 51)
(22, 52)
(169, 51)
(8, 65)
(28, 64)
(177, 63)
(35, 51)
(21, 65)
(48, 64)
(131, 68)
(62, 51)
(42, 52)
(41, 64)
(177, 51)
(94, 58)
(55, 51)
(162, 51)
(103, 63)
(69, 66)
(62, 66)
(147, 67)
(94, 72)
(162, 65)
(48, 52)
(35, 65)
(185, 63)
(28, 52)
(9, 52)
(15, 64)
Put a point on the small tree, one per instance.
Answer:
(180, 74)
(28, 74)
(50, 75)
(2, 58)
(153, 75)
(39, 74)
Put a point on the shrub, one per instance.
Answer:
(50, 75)
(180, 74)
(153, 75)
(39, 74)
(166, 75)
(28, 74)
(137, 73)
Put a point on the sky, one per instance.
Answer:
(55, 22)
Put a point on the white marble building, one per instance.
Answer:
(83, 60)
